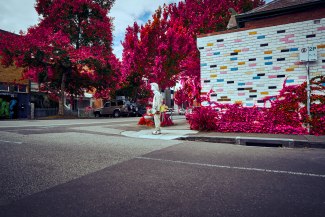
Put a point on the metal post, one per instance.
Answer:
(308, 91)
(308, 97)
(32, 111)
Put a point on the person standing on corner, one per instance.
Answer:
(156, 104)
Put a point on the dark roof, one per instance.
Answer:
(4, 32)
(277, 7)
(280, 4)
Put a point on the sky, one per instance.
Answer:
(16, 15)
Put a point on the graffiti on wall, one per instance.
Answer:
(8, 109)
(4, 108)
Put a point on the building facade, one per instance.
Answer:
(14, 92)
(250, 63)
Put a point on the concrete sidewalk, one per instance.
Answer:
(181, 130)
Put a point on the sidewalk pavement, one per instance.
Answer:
(181, 130)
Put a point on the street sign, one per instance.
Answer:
(308, 54)
(312, 53)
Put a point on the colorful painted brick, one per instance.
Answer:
(275, 62)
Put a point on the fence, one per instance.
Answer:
(45, 112)
(86, 113)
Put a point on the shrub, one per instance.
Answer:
(287, 114)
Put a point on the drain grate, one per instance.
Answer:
(264, 144)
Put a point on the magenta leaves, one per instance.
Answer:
(286, 115)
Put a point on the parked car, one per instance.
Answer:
(117, 108)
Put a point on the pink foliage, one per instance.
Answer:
(73, 38)
(164, 49)
(287, 114)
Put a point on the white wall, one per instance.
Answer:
(249, 65)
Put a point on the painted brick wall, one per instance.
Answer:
(246, 66)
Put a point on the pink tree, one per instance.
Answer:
(164, 49)
(69, 50)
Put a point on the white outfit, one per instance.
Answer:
(156, 104)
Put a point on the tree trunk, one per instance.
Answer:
(61, 98)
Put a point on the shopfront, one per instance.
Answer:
(14, 101)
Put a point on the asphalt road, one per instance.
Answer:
(86, 168)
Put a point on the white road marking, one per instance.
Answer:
(46, 124)
(236, 168)
(5, 141)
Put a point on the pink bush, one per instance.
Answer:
(287, 114)
(202, 119)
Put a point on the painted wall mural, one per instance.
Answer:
(8, 108)
(246, 66)
(4, 108)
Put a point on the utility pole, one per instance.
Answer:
(308, 54)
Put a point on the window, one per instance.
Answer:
(113, 103)
(4, 87)
(316, 21)
(108, 104)
(22, 88)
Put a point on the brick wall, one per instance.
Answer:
(11, 75)
(246, 66)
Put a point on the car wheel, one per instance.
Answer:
(116, 114)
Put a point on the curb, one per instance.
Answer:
(258, 141)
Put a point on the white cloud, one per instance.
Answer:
(16, 15)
